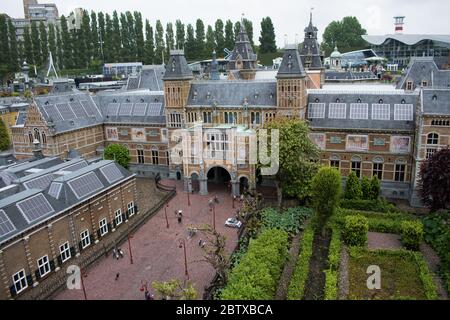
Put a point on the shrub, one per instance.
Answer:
(355, 230)
(296, 288)
(256, 276)
(375, 188)
(334, 258)
(4, 137)
(118, 153)
(365, 188)
(368, 205)
(289, 220)
(412, 234)
(353, 187)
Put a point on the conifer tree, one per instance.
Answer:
(101, 35)
(116, 43)
(43, 42)
(124, 55)
(199, 39)
(59, 48)
(108, 47)
(170, 41)
(190, 43)
(180, 34)
(149, 44)
(94, 42)
(13, 48)
(37, 58)
(229, 35)
(219, 37)
(68, 62)
(159, 41)
(52, 43)
(28, 46)
(139, 34)
(210, 45)
(267, 41)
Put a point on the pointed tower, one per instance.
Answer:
(312, 57)
(291, 84)
(214, 71)
(243, 58)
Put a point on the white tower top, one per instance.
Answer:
(399, 24)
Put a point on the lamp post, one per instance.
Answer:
(129, 247)
(82, 275)
(212, 205)
(165, 213)
(182, 244)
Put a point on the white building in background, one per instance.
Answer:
(75, 19)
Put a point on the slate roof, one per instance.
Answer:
(311, 48)
(291, 65)
(19, 170)
(389, 97)
(243, 50)
(66, 200)
(349, 75)
(233, 93)
(425, 69)
(436, 101)
(177, 67)
(149, 78)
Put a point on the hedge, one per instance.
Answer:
(257, 274)
(425, 276)
(412, 234)
(334, 258)
(296, 288)
(368, 205)
(355, 230)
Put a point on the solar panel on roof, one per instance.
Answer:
(76, 166)
(41, 182)
(90, 109)
(55, 189)
(35, 207)
(112, 110)
(154, 109)
(78, 109)
(85, 185)
(53, 113)
(6, 225)
(111, 173)
(139, 109)
(66, 111)
(125, 109)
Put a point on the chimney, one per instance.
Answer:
(399, 24)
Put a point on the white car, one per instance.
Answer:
(233, 223)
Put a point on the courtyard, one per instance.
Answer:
(155, 249)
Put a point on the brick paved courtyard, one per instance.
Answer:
(156, 252)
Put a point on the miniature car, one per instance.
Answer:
(233, 223)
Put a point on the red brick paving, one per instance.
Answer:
(156, 252)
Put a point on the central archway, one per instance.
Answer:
(218, 179)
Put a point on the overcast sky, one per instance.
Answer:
(289, 16)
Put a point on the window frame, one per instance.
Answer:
(131, 209)
(64, 252)
(118, 217)
(85, 240)
(103, 227)
(45, 265)
(22, 280)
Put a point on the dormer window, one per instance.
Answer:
(424, 83)
(256, 95)
(128, 100)
(434, 98)
(403, 101)
(195, 94)
(46, 103)
(271, 95)
(337, 100)
(208, 95)
(114, 101)
(409, 86)
(358, 101)
(380, 101)
(71, 99)
(317, 100)
(156, 100)
(142, 100)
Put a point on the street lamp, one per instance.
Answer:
(165, 212)
(182, 244)
(82, 283)
(212, 205)
(129, 246)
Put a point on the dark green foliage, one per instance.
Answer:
(116, 41)
(67, 61)
(412, 234)
(355, 230)
(334, 259)
(35, 41)
(190, 43)
(199, 39)
(44, 42)
(229, 35)
(353, 187)
(94, 37)
(149, 56)
(118, 153)
(375, 188)
(52, 43)
(28, 46)
(4, 47)
(180, 34)
(13, 48)
(159, 43)
(368, 205)
(170, 38)
(219, 37)
(326, 192)
(267, 39)
(256, 276)
(365, 188)
(4, 137)
(249, 28)
(210, 45)
(290, 220)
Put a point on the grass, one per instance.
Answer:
(404, 275)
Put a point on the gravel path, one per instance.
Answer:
(288, 268)
(433, 262)
(377, 240)
(343, 282)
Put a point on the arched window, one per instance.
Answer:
(377, 170)
(356, 165)
(30, 137)
(44, 138)
(433, 138)
(37, 135)
(155, 157)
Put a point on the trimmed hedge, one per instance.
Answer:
(412, 234)
(425, 276)
(368, 205)
(334, 258)
(355, 230)
(256, 276)
(296, 288)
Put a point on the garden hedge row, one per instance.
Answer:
(334, 258)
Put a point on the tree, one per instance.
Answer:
(96, 49)
(4, 47)
(86, 41)
(59, 48)
(267, 38)
(180, 34)
(365, 188)
(434, 181)
(353, 187)
(4, 137)
(345, 34)
(139, 32)
(116, 41)
(170, 40)
(131, 34)
(173, 289)
(109, 47)
(102, 35)
(190, 43)
(28, 46)
(149, 52)
(68, 62)
(37, 57)
(44, 41)
(52, 43)
(13, 47)
(375, 188)
(297, 158)
(210, 45)
(249, 28)
(326, 193)
(219, 37)
(229, 35)
(118, 153)
(159, 41)
(125, 37)
(199, 39)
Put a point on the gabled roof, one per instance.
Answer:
(177, 68)
(425, 69)
(291, 65)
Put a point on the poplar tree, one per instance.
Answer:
(59, 48)
(102, 35)
(180, 34)
(249, 28)
(37, 58)
(52, 42)
(199, 39)
(96, 51)
(170, 41)
(4, 46)
(149, 44)
(139, 34)
(13, 47)
(108, 47)
(131, 35)
(43, 42)
(219, 37)
(116, 43)
(229, 35)
(210, 45)
(67, 60)
(125, 39)
(190, 43)
(267, 41)
(28, 46)
(159, 40)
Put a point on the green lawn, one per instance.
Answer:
(404, 275)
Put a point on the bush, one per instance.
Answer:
(355, 230)
(289, 220)
(296, 288)
(256, 276)
(4, 137)
(334, 258)
(375, 188)
(412, 234)
(353, 187)
(368, 205)
(365, 188)
(118, 153)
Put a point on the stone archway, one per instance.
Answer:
(195, 184)
(243, 184)
(218, 178)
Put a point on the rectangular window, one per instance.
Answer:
(337, 111)
(359, 111)
(85, 239)
(255, 118)
(164, 135)
(409, 85)
(155, 159)
(20, 281)
(174, 120)
(65, 252)
(43, 266)
(118, 217)
(430, 152)
(130, 208)
(141, 158)
(356, 168)
(103, 227)
(400, 172)
(403, 112)
(335, 164)
(316, 111)
(378, 170)
(381, 111)
(207, 117)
